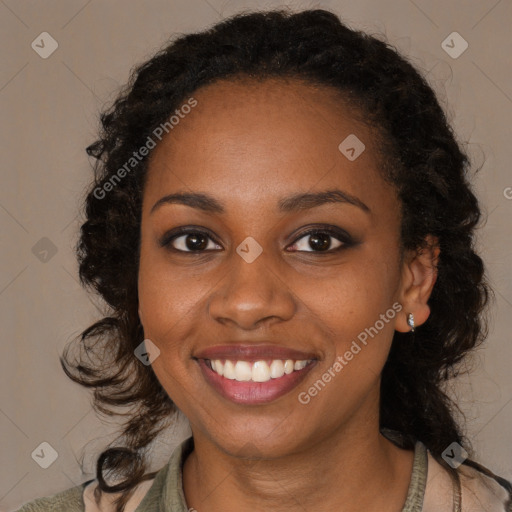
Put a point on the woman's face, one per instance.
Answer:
(252, 285)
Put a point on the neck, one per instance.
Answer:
(349, 470)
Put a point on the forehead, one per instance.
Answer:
(271, 138)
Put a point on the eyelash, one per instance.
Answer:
(339, 234)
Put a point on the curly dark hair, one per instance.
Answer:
(420, 157)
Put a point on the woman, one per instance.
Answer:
(282, 224)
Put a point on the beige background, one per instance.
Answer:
(49, 115)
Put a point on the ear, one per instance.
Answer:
(140, 315)
(419, 274)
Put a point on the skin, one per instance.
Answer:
(249, 145)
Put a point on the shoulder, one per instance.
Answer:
(70, 500)
(81, 499)
(146, 496)
(478, 490)
(482, 492)
(107, 500)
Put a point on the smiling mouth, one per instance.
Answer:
(255, 371)
(254, 382)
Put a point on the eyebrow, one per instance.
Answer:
(289, 204)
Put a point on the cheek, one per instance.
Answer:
(168, 300)
(352, 296)
(168, 303)
(355, 307)
(355, 310)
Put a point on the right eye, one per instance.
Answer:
(189, 240)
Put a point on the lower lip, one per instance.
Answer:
(252, 393)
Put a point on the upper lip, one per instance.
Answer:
(248, 352)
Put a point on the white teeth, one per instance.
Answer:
(243, 371)
(276, 369)
(299, 365)
(218, 367)
(229, 370)
(259, 371)
(288, 366)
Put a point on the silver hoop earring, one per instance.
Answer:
(410, 321)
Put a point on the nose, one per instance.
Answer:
(252, 294)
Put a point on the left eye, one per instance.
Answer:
(319, 241)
